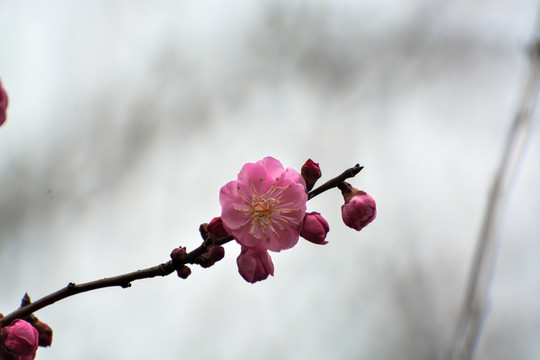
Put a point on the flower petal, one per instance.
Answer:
(291, 175)
(273, 168)
(254, 264)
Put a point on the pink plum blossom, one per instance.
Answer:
(265, 206)
(21, 339)
(315, 228)
(359, 210)
(3, 104)
(254, 264)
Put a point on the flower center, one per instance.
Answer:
(262, 209)
(268, 212)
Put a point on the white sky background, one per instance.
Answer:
(126, 118)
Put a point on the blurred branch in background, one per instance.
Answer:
(472, 314)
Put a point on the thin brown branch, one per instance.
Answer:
(123, 281)
(335, 182)
(163, 269)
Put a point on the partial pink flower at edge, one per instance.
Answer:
(254, 264)
(315, 228)
(359, 211)
(265, 206)
(3, 104)
(21, 338)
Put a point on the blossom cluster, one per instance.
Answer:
(264, 209)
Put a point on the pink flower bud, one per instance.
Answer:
(20, 338)
(215, 227)
(358, 210)
(311, 172)
(315, 228)
(3, 104)
(254, 264)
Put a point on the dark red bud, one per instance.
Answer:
(45, 333)
(183, 272)
(203, 229)
(179, 254)
(211, 256)
(311, 172)
(216, 253)
(216, 229)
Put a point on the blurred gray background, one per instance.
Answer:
(126, 118)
